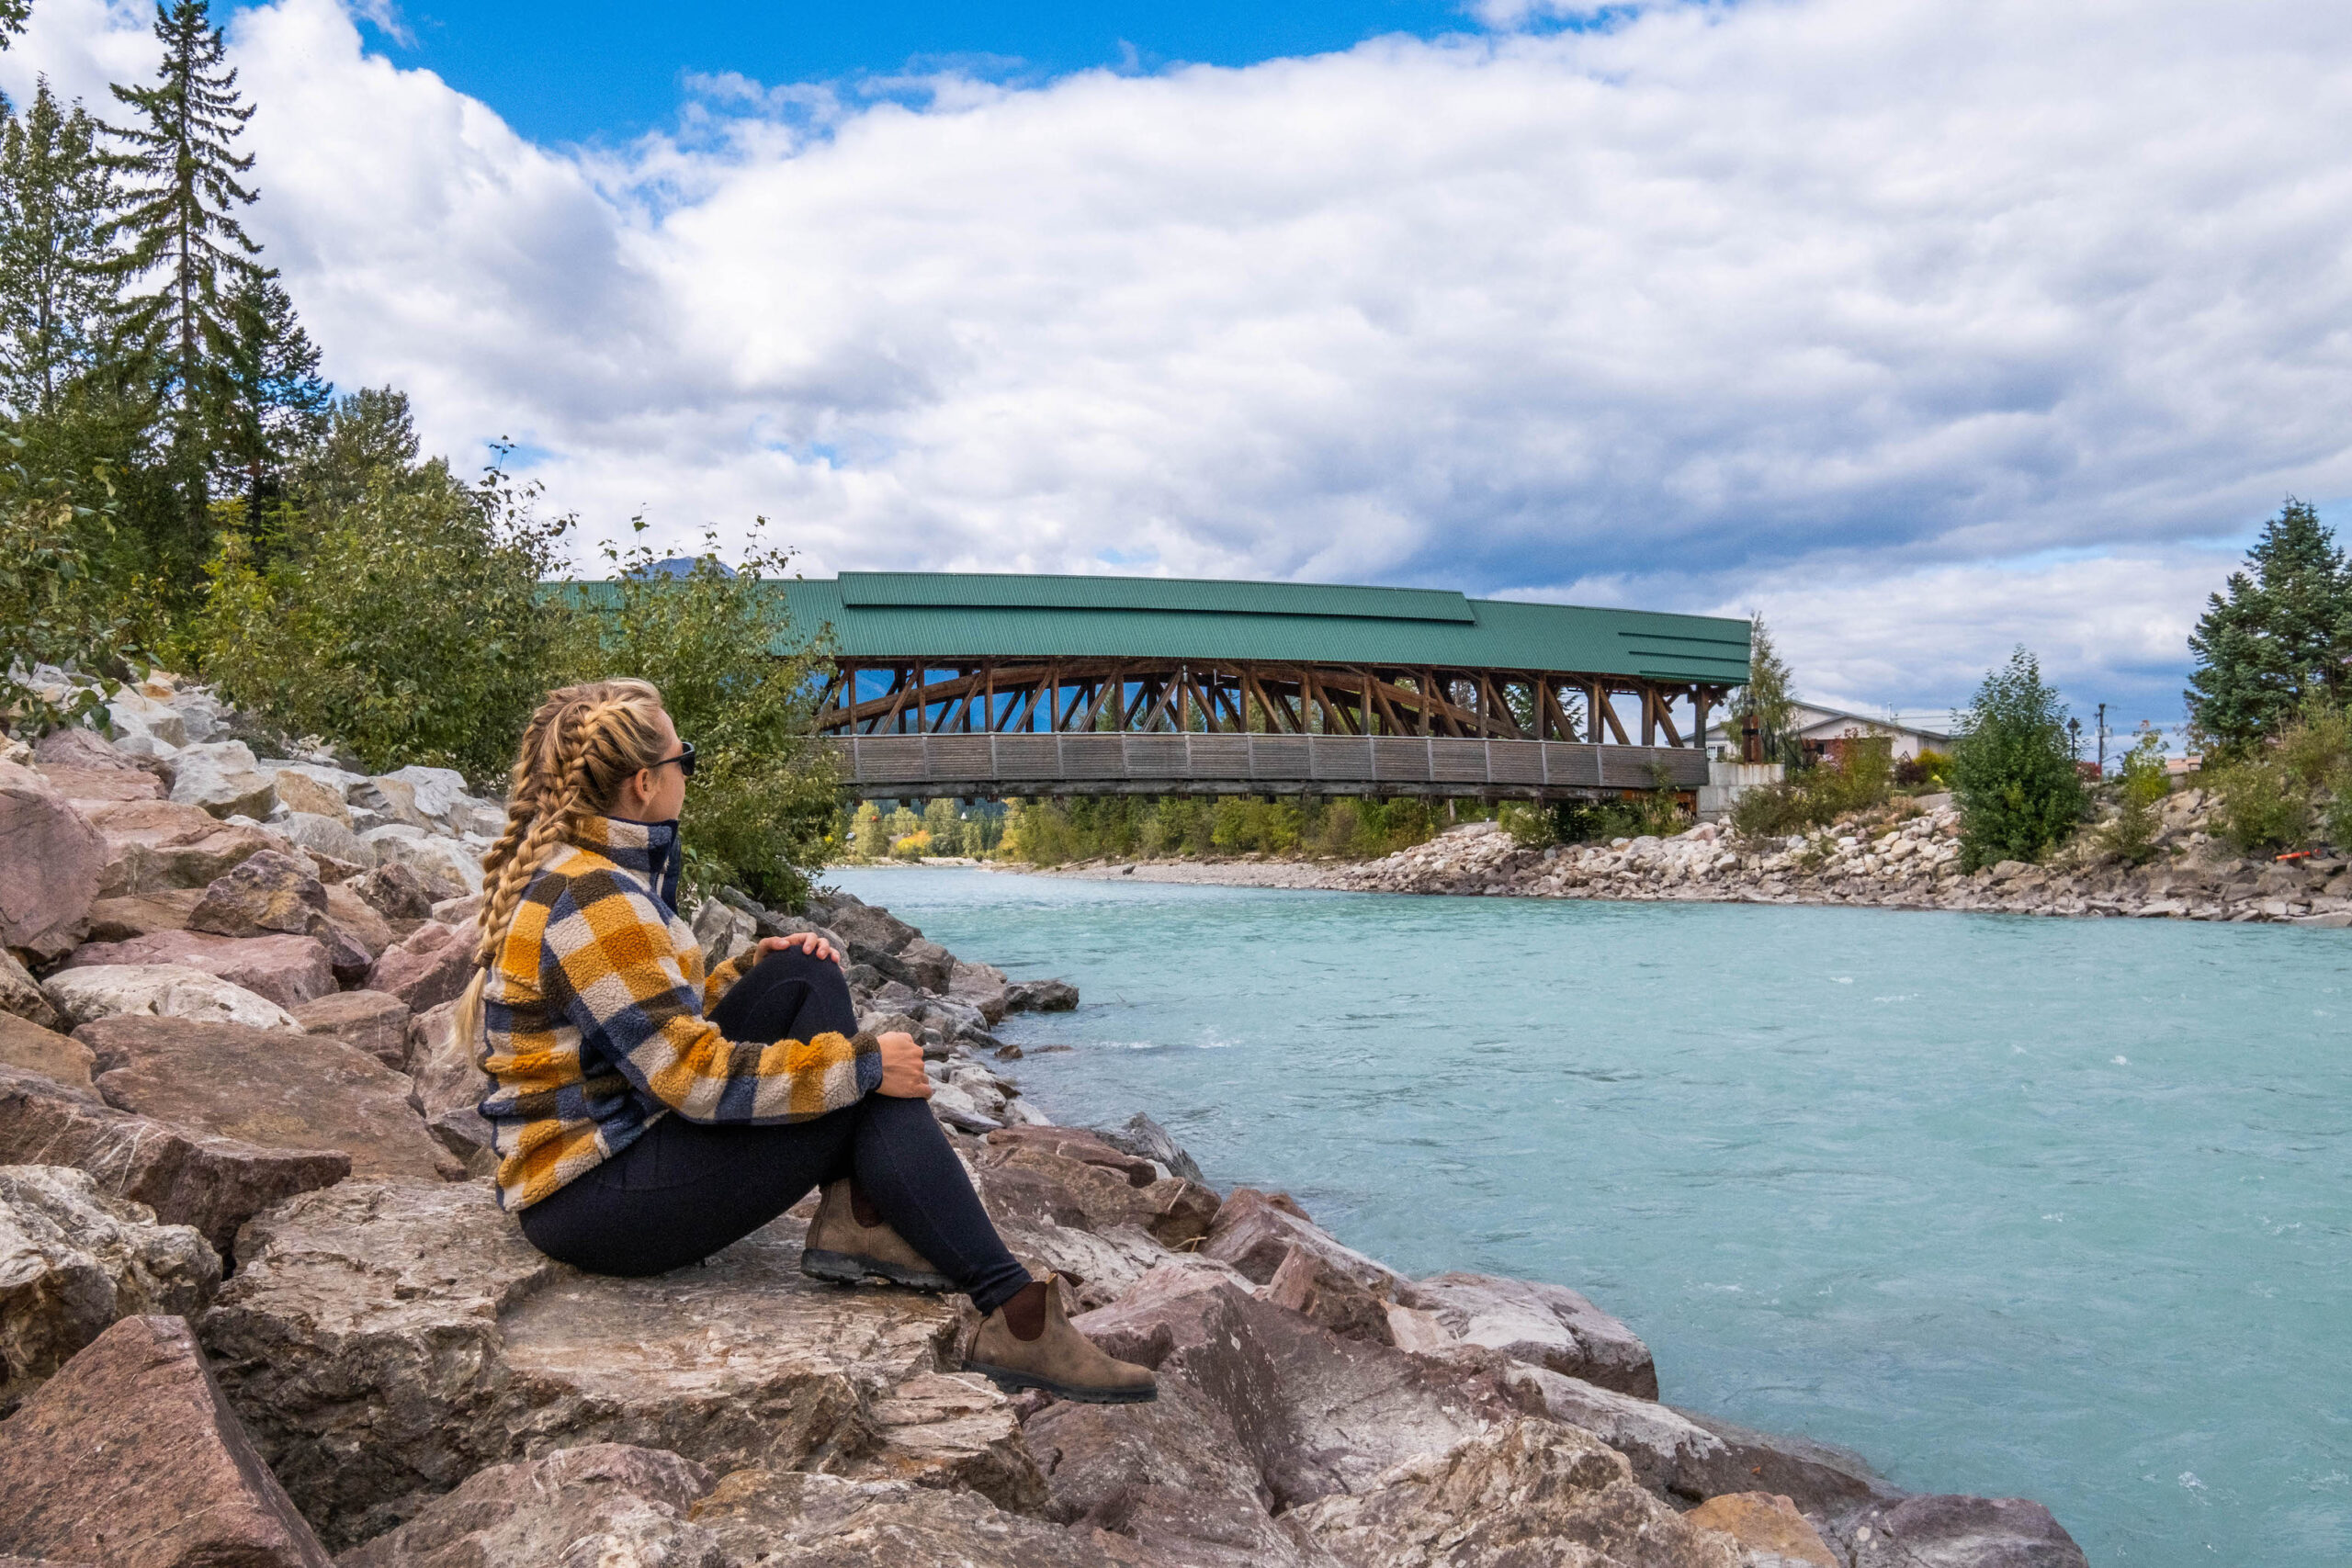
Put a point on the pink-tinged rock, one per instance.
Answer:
(1307, 1284)
(1957, 1532)
(52, 869)
(1255, 1231)
(152, 845)
(21, 996)
(606, 1504)
(358, 920)
(449, 1086)
(60, 1058)
(128, 917)
(1313, 1413)
(1545, 1325)
(79, 748)
(1763, 1522)
(269, 893)
(431, 966)
(395, 891)
(777, 1516)
(187, 1178)
(365, 1021)
(100, 784)
(267, 1088)
(1076, 1178)
(131, 1456)
(160, 990)
(289, 970)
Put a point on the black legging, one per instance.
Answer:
(685, 1189)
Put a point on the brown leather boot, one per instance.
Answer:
(1027, 1343)
(848, 1242)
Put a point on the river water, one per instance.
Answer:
(2021, 1207)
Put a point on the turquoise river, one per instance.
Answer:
(2023, 1207)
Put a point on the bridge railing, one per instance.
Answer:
(1327, 765)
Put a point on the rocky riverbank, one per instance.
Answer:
(1904, 857)
(258, 1305)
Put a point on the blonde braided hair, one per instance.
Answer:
(579, 747)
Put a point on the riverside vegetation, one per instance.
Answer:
(260, 1304)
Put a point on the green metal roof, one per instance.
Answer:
(953, 617)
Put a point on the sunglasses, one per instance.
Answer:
(684, 759)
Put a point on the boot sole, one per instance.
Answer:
(847, 1269)
(1010, 1382)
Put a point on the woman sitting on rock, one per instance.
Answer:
(645, 1117)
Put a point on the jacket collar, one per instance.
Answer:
(649, 850)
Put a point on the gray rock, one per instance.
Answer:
(431, 791)
(222, 778)
(129, 1457)
(1528, 1492)
(134, 714)
(450, 1087)
(73, 1261)
(445, 867)
(395, 891)
(76, 747)
(1956, 1533)
(325, 835)
(187, 1178)
(1545, 1325)
(1146, 1139)
(1041, 995)
(1255, 1231)
(265, 1089)
(469, 1348)
(53, 869)
(723, 931)
(159, 990)
(602, 1504)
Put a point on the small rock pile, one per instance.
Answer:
(1908, 860)
(258, 1305)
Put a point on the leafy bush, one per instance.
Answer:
(866, 838)
(2262, 807)
(2146, 781)
(1930, 771)
(1857, 780)
(945, 826)
(406, 624)
(2016, 783)
(55, 608)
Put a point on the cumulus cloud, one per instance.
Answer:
(1927, 328)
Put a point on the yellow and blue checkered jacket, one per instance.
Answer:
(594, 1028)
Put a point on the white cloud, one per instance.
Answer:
(1930, 328)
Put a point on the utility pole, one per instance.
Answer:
(2102, 740)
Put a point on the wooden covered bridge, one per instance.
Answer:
(980, 685)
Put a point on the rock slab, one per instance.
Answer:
(130, 1457)
(287, 970)
(602, 1504)
(160, 990)
(53, 867)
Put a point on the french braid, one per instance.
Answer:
(577, 750)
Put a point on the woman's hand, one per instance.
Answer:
(903, 1073)
(808, 942)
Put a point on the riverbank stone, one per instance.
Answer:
(60, 1058)
(1543, 1325)
(1077, 1179)
(130, 1457)
(602, 1504)
(287, 970)
(53, 868)
(159, 990)
(1956, 1533)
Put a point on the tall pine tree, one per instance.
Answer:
(2280, 637)
(265, 400)
(59, 311)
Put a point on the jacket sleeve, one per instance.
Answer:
(635, 1004)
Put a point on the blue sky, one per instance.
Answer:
(601, 70)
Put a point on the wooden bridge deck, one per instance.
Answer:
(989, 765)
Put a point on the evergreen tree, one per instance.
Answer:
(1768, 697)
(2012, 775)
(265, 401)
(58, 297)
(2283, 634)
(181, 200)
(368, 436)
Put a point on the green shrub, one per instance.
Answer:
(2013, 780)
(2263, 808)
(866, 840)
(945, 826)
(2146, 781)
(1817, 796)
(56, 606)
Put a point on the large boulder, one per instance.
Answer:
(1076, 1179)
(130, 1458)
(1545, 1325)
(779, 1516)
(132, 916)
(1529, 1492)
(73, 1260)
(187, 1178)
(1309, 1285)
(95, 784)
(722, 930)
(289, 970)
(222, 778)
(53, 867)
(1041, 995)
(60, 1058)
(152, 845)
(1956, 1533)
(21, 996)
(76, 747)
(449, 1086)
(446, 867)
(324, 836)
(160, 990)
(303, 794)
(602, 1504)
(1312, 1414)
(365, 1021)
(1768, 1527)
(431, 965)
(267, 1088)
(267, 893)
(466, 1347)
(359, 921)
(137, 716)
(1146, 1139)
(983, 987)
(898, 951)
(1256, 1232)
(396, 893)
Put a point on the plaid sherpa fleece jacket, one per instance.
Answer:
(594, 1027)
